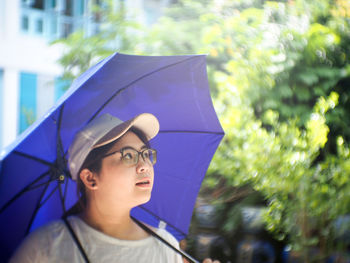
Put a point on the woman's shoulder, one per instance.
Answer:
(37, 244)
(50, 230)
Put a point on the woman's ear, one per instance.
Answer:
(89, 179)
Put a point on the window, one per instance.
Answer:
(39, 26)
(37, 4)
(27, 100)
(25, 23)
(80, 8)
(37, 94)
(53, 19)
(51, 4)
(68, 11)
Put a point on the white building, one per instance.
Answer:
(29, 74)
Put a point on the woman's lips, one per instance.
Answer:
(144, 184)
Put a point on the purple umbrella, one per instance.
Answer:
(35, 186)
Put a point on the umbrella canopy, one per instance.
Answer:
(35, 186)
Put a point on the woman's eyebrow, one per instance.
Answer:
(130, 147)
(143, 147)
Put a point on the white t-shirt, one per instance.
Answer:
(54, 243)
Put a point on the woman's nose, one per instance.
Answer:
(143, 166)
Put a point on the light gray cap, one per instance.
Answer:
(103, 130)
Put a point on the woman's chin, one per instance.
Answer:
(145, 200)
(142, 199)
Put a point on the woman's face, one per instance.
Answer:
(120, 185)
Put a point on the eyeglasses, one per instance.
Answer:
(130, 156)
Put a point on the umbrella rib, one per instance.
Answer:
(65, 195)
(31, 186)
(33, 158)
(39, 185)
(60, 159)
(133, 82)
(62, 198)
(156, 216)
(39, 204)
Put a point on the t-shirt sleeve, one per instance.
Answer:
(34, 248)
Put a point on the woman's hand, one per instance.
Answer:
(208, 260)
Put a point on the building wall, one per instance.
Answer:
(29, 72)
(26, 61)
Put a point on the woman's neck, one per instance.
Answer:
(118, 225)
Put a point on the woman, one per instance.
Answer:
(112, 162)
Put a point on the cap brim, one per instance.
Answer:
(146, 122)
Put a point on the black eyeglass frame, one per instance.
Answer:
(154, 154)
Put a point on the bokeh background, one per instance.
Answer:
(278, 188)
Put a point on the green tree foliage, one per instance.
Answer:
(303, 199)
(279, 73)
(115, 32)
(271, 66)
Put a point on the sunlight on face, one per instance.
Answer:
(120, 185)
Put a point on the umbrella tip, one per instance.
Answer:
(2, 154)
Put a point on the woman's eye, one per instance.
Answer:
(127, 156)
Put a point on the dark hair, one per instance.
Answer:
(93, 162)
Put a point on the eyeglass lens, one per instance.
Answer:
(131, 156)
